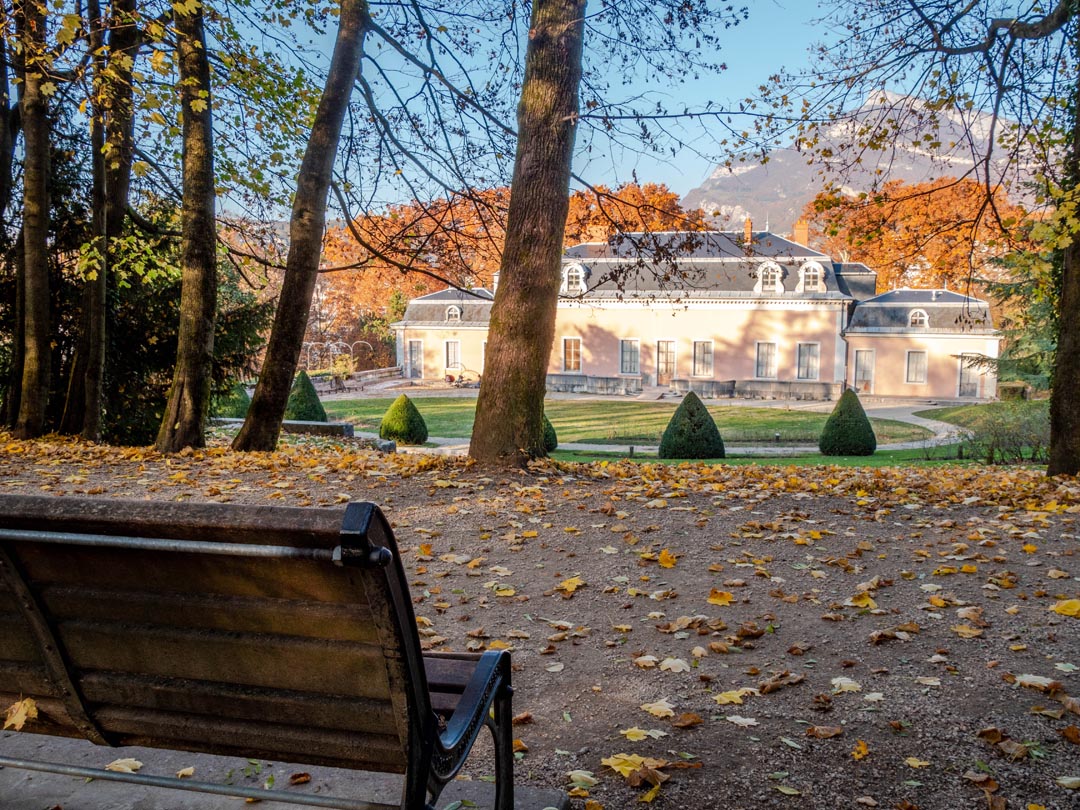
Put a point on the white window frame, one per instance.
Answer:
(818, 270)
(775, 360)
(637, 357)
(925, 369)
(580, 347)
(817, 362)
(772, 268)
(921, 314)
(408, 358)
(694, 371)
(446, 354)
(453, 314)
(579, 283)
(855, 370)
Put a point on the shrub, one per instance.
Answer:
(551, 438)
(691, 433)
(403, 423)
(304, 403)
(847, 431)
(1011, 433)
(232, 405)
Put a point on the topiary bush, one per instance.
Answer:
(551, 438)
(233, 405)
(691, 433)
(847, 431)
(403, 423)
(304, 404)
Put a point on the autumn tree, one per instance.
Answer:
(1004, 79)
(931, 234)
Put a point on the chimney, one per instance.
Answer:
(748, 234)
(800, 234)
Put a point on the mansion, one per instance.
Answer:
(724, 314)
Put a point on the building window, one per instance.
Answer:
(453, 354)
(453, 314)
(916, 367)
(918, 318)
(702, 358)
(575, 278)
(809, 358)
(812, 277)
(571, 354)
(770, 277)
(629, 357)
(765, 368)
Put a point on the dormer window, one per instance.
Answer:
(769, 279)
(918, 319)
(812, 278)
(575, 279)
(453, 314)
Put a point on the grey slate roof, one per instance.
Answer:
(710, 264)
(431, 308)
(946, 311)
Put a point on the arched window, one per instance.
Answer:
(918, 318)
(575, 278)
(453, 314)
(812, 277)
(769, 278)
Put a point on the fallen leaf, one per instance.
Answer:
(19, 712)
(745, 722)
(636, 734)
(1069, 607)
(914, 762)
(124, 765)
(674, 665)
(860, 751)
(301, 778)
(1069, 782)
(721, 598)
(666, 559)
(824, 732)
(687, 720)
(584, 779)
(185, 773)
(841, 685)
(661, 708)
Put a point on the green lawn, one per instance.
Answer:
(939, 456)
(968, 416)
(607, 422)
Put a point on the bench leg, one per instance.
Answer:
(502, 729)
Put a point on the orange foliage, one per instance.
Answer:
(932, 234)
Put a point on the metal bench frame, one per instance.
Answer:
(460, 692)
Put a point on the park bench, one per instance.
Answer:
(277, 633)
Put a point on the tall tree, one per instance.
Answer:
(509, 413)
(1000, 83)
(34, 64)
(184, 421)
(263, 423)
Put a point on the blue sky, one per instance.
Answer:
(776, 35)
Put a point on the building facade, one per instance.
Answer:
(724, 314)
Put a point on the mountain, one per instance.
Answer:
(775, 193)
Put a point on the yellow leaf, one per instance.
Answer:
(529, 533)
(19, 712)
(124, 765)
(860, 751)
(966, 631)
(504, 591)
(185, 773)
(661, 708)
(721, 598)
(570, 585)
(666, 559)
(845, 685)
(734, 696)
(914, 762)
(1029, 548)
(624, 764)
(862, 600)
(674, 665)
(634, 734)
(652, 793)
(1069, 607)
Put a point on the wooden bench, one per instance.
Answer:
(276, 633)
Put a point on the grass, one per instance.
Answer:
(637, 423)
(942, 455)
(969, 416)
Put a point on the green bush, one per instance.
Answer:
(304, 404)
(691, 433)
(847, 431)
(403, 423)
(1011, 433)
(232, 405)
(551, 438)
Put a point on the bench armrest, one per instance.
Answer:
(492, 674)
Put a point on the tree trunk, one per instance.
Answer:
(263, 423)
(184, 422)
(111, 137)
(34, 385)
(509, 413)
(1065, 395)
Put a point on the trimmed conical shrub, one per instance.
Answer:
(551, 438)
(848, 431)
(691, 433)
(233, 405)
(403, 423)
(304, 404)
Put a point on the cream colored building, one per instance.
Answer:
(750, 315)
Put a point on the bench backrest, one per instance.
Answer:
(271, 632)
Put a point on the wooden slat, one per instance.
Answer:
(255, 740)
(356, 670)
(307, 709)
(28, 678)
(52, 718)
(326, 621)
(16, 643)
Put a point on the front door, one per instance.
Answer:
(415, 361)
(665, 361)
(969, 376)
(864, 371)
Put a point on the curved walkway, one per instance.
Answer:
(944, 433)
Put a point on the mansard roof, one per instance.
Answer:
(475, 306)
(946, 311)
